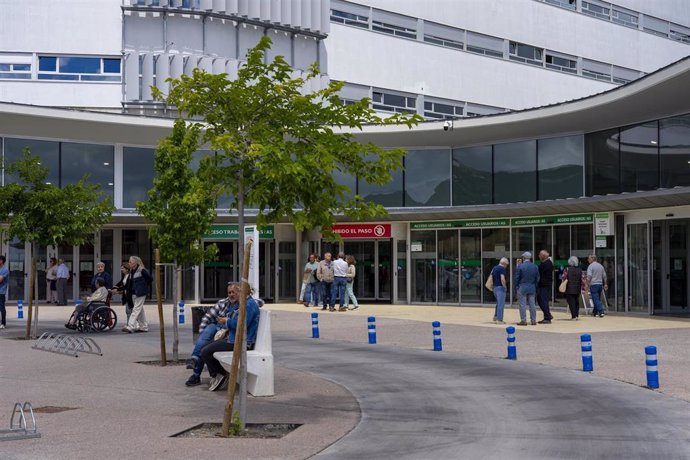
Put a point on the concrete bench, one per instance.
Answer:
(259, 360)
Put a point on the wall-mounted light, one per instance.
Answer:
(653, 142)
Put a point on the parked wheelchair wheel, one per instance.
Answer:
(103, 319)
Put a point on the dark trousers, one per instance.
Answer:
(574, 304)
(3, 312)
(543, 296)
(214, 367)
(327, 293)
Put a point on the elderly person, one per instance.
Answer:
(526, 280)
(545, 287)
(51, 281)
(597, 282)
(101, 274)
(500, 276)
(141, 280)
(575, 287)
(326, 276)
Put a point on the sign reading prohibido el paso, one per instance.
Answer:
(363, 230)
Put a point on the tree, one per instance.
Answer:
(278, 145)
(43, 214)
(180, 208)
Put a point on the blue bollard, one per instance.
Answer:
(652, 369)
(512, 349)
(586, 345)
(438, 346)
(181, 315)
(314, 325)
(372, 330)
(20, 309)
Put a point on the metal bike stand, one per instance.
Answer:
(20, 429)
(67, 344)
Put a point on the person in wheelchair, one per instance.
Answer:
(100, 296)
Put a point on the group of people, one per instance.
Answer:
(329, 280)
(57, 275)
(535, 282)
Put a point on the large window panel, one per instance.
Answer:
(427, 178)
(389, 194)
(137, 175)
(515, 172)
(472, 178)
(674, 143)
(48, 153)
(602, 163)
(639, 147)
(560, 163)
(95, 160)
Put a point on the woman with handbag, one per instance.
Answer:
(349, 293)
(572, 285)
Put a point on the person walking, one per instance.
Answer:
(527, 279)
(545, 288)
(4, 282)
(339, 282)
(325, 276)
(349, 292)
(51, 281)
(310, 295)
(597, 282)
(576, 284)
(62, 275)
(500, 276)
(124, 288)
(141, 280)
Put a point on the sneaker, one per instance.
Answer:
(306, 304)
(193, 381)
(522, 323)
(534, 323)
(2, 326)
(191, 362)
(494, 319)
(127, 330)
(342, 309)
(601, 315)
(324, 308)
(545, 321)
(331, 308)
(498, 321)
(217, 382)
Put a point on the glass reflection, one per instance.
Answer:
(137, 166)
(472, 175)
(560, 167)
(427, 180)
(76, 160)
(47, 152)
(639, 146)
(674, 142)
(515, 172)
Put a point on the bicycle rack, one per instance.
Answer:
(67, 344)
(20, 429)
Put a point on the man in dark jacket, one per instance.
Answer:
(545, 286)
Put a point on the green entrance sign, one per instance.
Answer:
(504, 222)
(231, 232)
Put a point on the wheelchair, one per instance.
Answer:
(98, 317)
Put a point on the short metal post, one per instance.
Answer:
(314, 325)
(652, 367)
(512, 349)
(20, 309)
(438, 346)
(372, 329)
(586, 346)
(181, 315)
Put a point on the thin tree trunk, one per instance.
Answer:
(164, 361)
(29, 315)
(176, 329)
(245, 253)
(32, 283)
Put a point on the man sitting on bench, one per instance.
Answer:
(219, 377)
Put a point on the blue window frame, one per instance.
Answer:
(80, 65)
(111, 65)
(47, 63)
(80, 68)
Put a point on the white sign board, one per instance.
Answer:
(603, 224)
(251, 232)
(416, 246)
(600, 242)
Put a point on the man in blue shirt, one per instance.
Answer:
(526, 280)
(4, 281)
(500, 276)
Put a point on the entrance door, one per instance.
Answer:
(677, 263)
(219, 272)
(373, 281)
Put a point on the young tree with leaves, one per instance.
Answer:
(44, 214)
(278, 145)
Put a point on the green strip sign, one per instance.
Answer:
(231, 232)
(542, 220)
(504, 222)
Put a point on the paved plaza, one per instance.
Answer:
(394, 399)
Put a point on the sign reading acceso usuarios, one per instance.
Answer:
(504, 222)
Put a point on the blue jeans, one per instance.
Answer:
(500, 293)
(311, 296)
(523, 299)
(326, 293)
(339, 286)
(595, 292)
(204, 339)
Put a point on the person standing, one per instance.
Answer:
(340, 282)
(325, 276)
(124, 288)
(141, 280)
(575, 287)
(62, 275)
(597, 282)
(545, 287)
(310, 295)
(4, 282)
(349, 292)
(102, 274)
(500, 275)
(51, 281)
(527, 279)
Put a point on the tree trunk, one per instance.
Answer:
(32, 283)
(244, 257)
(164, 361)
(29, 315)
(176, 329)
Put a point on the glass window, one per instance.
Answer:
(560, 163)
(570, 4)
(80, 65)
(472, 178)
(47, 63)
(598, 11)
(526, 53)
(448, 273)
(639, 149)
(423, 260)
(394, 24)
(427, 178)
(390, 194)
(597, 70)
(484, 44)
(471, 266)
(674, 143)
(402, 270)
(626, 18)
(347, 180)
(111, 65)
(495, 244)
(582, 241)
(48, 152)
(94, 160)
(602, 163)
(439, 34)
(515, 172)
(393, 102)
(137, 167)
(638, 268)
(561, 63)
(442, 111)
